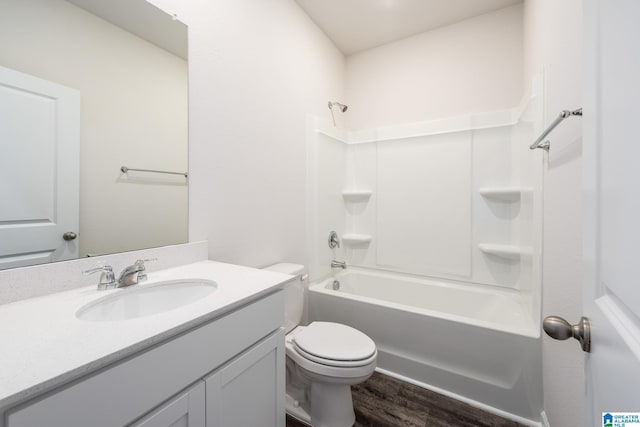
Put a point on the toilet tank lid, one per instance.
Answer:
(286, 268)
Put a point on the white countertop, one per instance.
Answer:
(43, 344)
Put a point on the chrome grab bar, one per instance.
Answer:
(125, 169)
(546, 144)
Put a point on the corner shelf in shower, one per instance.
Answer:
(356, 195)
(502, 251)
(507, 194)
(353, 239)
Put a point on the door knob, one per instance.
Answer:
(69, 235)
(558, 328)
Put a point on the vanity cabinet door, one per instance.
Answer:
(185, 410)
(249, 390)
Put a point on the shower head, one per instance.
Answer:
(343, 107)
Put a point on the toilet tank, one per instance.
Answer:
(293, 293)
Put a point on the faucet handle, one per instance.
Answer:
(142, 275)
(107, 278)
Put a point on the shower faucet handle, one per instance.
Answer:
(333, 240)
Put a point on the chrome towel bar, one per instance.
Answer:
(538, 143)
(125, 169)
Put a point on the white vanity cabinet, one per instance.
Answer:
(226, 372)
(185, 410)
(249, 391)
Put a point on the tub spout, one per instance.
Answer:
(338, 264)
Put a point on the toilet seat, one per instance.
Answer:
(342, 370)
(334, 344)
(335, 363)
(344, 374)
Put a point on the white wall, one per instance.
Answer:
(258, 66)
(256, 69)
(133, 112)
(553, 42)
(469, 67)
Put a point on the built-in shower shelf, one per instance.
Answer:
(353, 239)
(502, 251)
(356, 195)
(507, 194)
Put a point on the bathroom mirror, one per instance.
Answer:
(87, 87)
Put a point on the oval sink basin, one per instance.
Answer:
(146, 300)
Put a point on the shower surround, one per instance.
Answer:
(440, 227)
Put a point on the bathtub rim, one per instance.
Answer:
(321, 285)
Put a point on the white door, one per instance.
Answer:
(611, 161)
(39, 169)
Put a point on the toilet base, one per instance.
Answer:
(331, 405)
(297, 410)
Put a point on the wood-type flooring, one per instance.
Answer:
(383, 401)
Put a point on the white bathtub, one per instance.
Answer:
(475, 343)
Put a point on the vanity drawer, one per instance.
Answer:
(123, 392)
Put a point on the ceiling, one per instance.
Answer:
(142, 19)
(356, 25)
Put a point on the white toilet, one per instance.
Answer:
(323, 360)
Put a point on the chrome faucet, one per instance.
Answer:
(133, 274)
(338, 264)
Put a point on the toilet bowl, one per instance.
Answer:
(324, 359)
